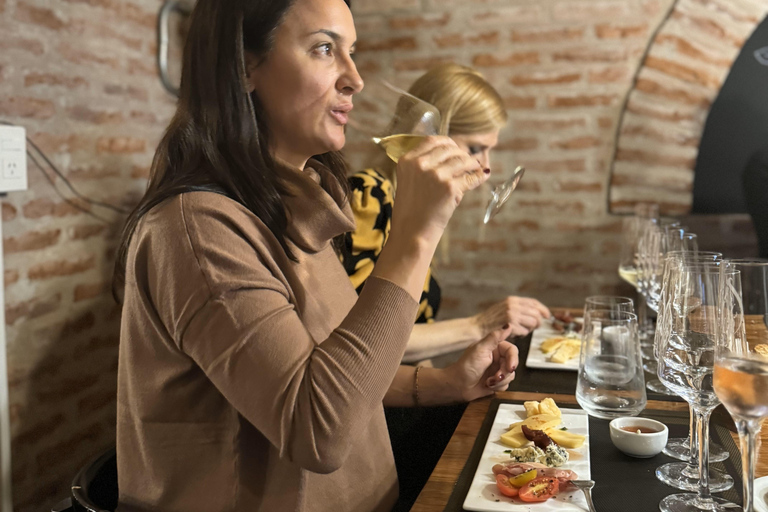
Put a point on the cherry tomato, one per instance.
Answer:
(539, 489)
(523, 478)
(507, 489)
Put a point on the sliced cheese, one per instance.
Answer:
(566, 351)
(548, 406)
(514, 439)
(566, 439)
(542, 422)
(531, 408)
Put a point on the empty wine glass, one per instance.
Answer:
(407, 121)
(686, 364)
(741, 374)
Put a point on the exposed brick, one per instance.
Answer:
(39, 16)
(513, 59)
(10, 277)
(661, 112)
(87, 231)
(544, 78)
(38, 208)
(546, 124)
(388, 44)
(708, 27)
(9, 211)
(131, 91)
(583, 142)
(687, 48)
(683, 72)
(557, 166)
(31, 241)
(142, 67)
(505, 16)
(646, 130)
(77, 55)
(33, 46)
(92, 173)
(575, 186)
(83, 113)
(32, 308)
(605, 122)
(419, 64)
(572, 10)
(89, 291)
(475, 245)
(569, 227)
(518, 144)
(139, 171)
(427, 20)
(681, 95)
(542, 205)
(519, 102)
(70, 82)
(555, 247)
(460, 39)
(590, 54)
(24, 106)
(79, 324)
(120, 145)
(609, 75)
(60, 268)
(88, 29)
(583, 100)
(610, 31)
(654, 158)
(143, 117)
(71, 142)
(546, 35)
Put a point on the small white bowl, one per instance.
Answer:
(639, 445)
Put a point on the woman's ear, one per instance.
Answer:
(251, 63)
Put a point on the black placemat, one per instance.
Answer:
(537, 380)
(622, 483)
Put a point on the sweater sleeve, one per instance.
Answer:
(307, 398)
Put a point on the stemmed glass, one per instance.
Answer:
(684, 475)
(410, 121)
(686, 363)
(741, 374)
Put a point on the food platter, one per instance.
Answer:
(538, 359)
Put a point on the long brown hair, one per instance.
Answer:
(218, 139)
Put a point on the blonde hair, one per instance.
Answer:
(467, 103)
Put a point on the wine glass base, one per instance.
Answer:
(692, 503)
(674, 475)
(656, 386)
(680, 448)
(651, 367)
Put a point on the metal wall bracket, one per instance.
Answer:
(183, 7)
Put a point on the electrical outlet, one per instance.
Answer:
(13, 158)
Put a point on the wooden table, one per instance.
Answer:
(436, 493)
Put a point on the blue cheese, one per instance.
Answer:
(555, 456)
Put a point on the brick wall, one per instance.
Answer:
(564, 69)
(80, 76)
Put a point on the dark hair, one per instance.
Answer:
(218, 138)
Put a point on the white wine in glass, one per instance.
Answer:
(399, 144)
(629, 274)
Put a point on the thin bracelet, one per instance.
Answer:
(416, 386)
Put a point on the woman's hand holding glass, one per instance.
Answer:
(431, 182)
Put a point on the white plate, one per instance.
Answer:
(483, 495)
(761, 494)
(538, 359)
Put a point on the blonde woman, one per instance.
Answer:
(472, 114)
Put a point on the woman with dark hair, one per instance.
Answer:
(251, 376)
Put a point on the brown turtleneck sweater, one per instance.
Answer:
(247, 381)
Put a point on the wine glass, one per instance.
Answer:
(684, 475)
(741, 373)
(410, 120)
(686, 364)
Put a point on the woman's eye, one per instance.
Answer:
(474, 150)
(324, 49)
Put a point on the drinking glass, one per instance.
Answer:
(684, 475)
(741, 374)
(610, 382)
(686, 365)
(410, 120)
(610, 303)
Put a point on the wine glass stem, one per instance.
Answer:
(747, 433)
(702, 432)
(642, 316)
(693, 429)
